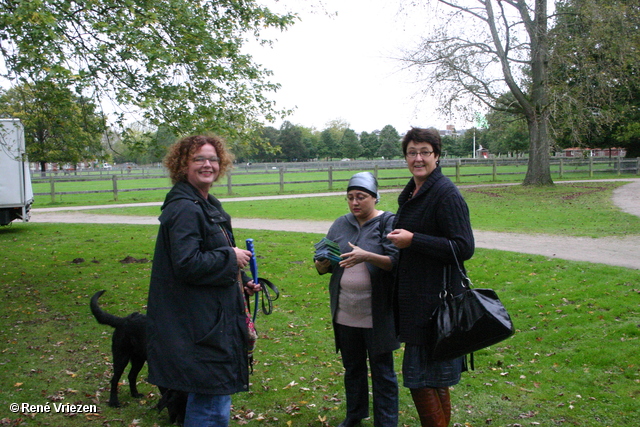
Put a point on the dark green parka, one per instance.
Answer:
(197, 332)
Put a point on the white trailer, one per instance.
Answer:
(16, 194)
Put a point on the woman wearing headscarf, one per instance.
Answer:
(432, 219)
(360, 297)
(198, 337)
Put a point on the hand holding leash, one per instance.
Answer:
(263, 285)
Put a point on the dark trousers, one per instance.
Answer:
(356, 347)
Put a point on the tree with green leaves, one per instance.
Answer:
(291, 143)
(370, 144)
(457, 146)
(566, 72)
(178, 63)
(269, 151)
(595, 69)
(141, 144)
(506, 132)
(311, 140)
(505, 46)
(327, 146)
(351, 147)
(389, 143)
(60, 126)
(331, 139)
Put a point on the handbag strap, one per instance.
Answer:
(465, 278)
(384, 218)
(471, 362)
(446, 283)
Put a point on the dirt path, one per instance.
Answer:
(619, 251)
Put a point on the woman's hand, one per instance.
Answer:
(356, 256)
(322, 265)
(251, 288)
(242, 257)
(401, 238)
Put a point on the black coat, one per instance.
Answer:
(197, 332)
(436, 215)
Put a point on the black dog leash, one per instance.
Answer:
(267, 288)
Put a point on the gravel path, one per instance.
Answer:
(619, 251)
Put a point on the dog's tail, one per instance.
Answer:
(103, 317)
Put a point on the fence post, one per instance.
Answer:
(281, 179)
(495, 170)
(619, 165)
(229, 185)
(590, 167)
(114, 178)
(375, 171)
(53, 190)
(330, 177)
(561, 167)
(638, 166)
(458, 170)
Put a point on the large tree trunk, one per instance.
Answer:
(537, 112)
(538, 169)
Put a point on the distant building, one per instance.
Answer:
(482, 153)
(449, 131)
(594, 152)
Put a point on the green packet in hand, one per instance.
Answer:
(327, 249)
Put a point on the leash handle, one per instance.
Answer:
(253, 266)
(253, 262)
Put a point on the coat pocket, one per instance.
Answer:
(216, 346)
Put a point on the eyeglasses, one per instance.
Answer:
(201, 160)
(423, 154)
(359, 198)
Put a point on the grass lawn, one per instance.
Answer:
(572, 209)
(573, 360)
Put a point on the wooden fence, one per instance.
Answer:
(485, 170)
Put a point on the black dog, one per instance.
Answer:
(176, 404)
(129, 344)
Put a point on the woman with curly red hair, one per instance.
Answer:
(198, 338)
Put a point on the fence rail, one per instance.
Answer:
(457, 169)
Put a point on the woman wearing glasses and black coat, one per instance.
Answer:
(431, 219)
(198, 337)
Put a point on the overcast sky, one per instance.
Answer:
(338, 62)
(342, 66)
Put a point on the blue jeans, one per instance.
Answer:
(356, 347)
(207, 410)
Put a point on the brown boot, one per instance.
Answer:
(445, 401)
(429, 407)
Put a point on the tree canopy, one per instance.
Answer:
(177, 63)
(570, 72)
(504, 46)
(60, 126)
(389, 143)
(595, 74)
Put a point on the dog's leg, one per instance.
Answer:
(120, 362)
(136, 366)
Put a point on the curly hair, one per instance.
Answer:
(177, 159)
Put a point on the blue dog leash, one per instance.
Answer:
(266, 285)
(253, 265)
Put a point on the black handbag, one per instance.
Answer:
(467, 322)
